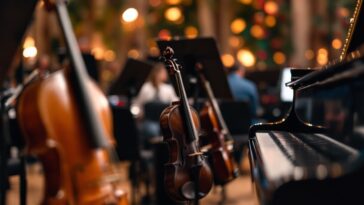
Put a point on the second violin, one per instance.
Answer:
(187, 174)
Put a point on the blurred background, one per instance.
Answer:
(265, 36)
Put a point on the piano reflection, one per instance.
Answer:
(316, 154)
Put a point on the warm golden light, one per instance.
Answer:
(279, 58)
(109, 55)
(130, 15)
(29, 49)
(173, 14)
(271, 7)
(238, 26)
(257, 32)
(235, 41)
(309, 54)
(270, 21)
(246, 57)
(98, 53)
(337, 43)
(322, 56)
(164, 34)
(228, 60)
(246, 1)
(154, 51)
(191, 32)
(133, 53)
(30, 52)
(173, 2)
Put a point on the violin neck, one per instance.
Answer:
(186, 112)
(214, 105)
(79, 82)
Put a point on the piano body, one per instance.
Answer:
(295, 162)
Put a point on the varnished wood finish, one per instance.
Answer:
(178, 168)
(75, 173)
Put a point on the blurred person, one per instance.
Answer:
(244, 89)
(156, 89)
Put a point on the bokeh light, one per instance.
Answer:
(29, 49)
(337, 43)
(133, 53)
(271, 7)
(246, 58)
(246, 1)
(130, 15)
(173, 14)
(257, 32)
(228, 60)
(191, 32)
(238, 26)
(270, 21)
(164, 34)
(173, 2)
(309, 54)
(322, 56)
(109, 55)
(279, 58)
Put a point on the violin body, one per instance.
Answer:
(219, 151)
(179, 179)
(75, 173)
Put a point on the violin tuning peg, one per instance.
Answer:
(168, 52)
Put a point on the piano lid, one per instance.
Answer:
(354, 38)
(15, 15)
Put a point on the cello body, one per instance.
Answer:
(220, 151)
(75, 172)
(179, 181)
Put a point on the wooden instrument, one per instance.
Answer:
(186, 172)
(71, 132)
(220, 142)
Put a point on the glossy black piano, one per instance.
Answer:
(316, 154)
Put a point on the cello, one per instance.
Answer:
(187, 174)
(71, 132)
(220, 146)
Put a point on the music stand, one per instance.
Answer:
(131, 79)
(204, 51)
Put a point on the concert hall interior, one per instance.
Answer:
(181, 102)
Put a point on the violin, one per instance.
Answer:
(71, 132)
(187, 174)
(217, 135)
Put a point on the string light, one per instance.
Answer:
(228, 60)
(238, 26)
(246, 57)
(130, 15)
(173, 14)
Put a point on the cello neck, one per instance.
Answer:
(79, 78)
(212, 100)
